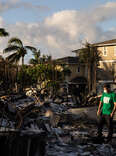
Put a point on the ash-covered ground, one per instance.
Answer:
(68, 131)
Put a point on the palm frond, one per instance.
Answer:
(3, 32)
(33, 61)
(22, 52)
(36, 53)
(33, 49)
(49, 58)
(15, 41)
(13, 58)
(10, 49)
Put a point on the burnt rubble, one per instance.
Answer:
(49, 127)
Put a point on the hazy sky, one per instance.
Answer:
(57, 27)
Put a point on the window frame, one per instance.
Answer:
(78, 69)
(114, 50)
(104, 50)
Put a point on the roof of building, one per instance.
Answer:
(104, 43)
(113, 41)
(68, 60)
(77, 50)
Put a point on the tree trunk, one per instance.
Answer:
(22, 60)
(89, 77)
(22, 83)
(16, 80)
(113, 71)
(94, 78)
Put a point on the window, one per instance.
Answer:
(114, 50)
(77, 54)
(104, 51)
(78, 69)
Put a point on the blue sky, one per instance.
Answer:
(27, 15)
(58, 26)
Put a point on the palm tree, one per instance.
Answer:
(46, 58)
(5, 71)
(3, 32)
(1, 68)
(90, 56)
(36, 59)
(17, 50)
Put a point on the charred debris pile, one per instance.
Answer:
(29, 123)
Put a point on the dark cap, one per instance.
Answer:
(107, 86)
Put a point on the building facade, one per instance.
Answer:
(78, 71)
(106, 71)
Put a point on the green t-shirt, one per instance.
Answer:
(108, 100)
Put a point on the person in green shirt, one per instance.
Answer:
(106, 110)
